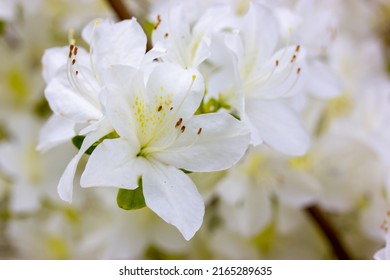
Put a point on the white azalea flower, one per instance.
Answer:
(73, 89)
(313, 24)
(74, 75)
(248, 190)
(259, 79)
(187, 43)
(159, 135)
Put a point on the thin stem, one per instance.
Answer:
(329, 231)
(122, 13)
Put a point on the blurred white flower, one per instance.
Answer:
(257, 80)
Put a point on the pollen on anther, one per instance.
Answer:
(183, 128)
(73, 61)
(178, 123)
(159, 108)
(293, 58)
(199, 130)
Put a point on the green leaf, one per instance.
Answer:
(131, 199)
(79, 139)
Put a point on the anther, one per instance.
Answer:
(293, 58)
(199, 130)
(299, 70)
(73, 61)
(170, 109)
(178, 123)
(183, 128)
(77, 72)
(159, 108)
(75, 50)
(277, 62)
(297, 48)
(166, 35)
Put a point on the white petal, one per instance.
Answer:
(56, 131)
(221, 142)
(52, 60)
(114, 163)
(260, 31)
(122, 43)
(322, 81)
(251, 214)
(173, 196)
(65, 185)
(186, 88)
(69, 103)
(268, 80)
(278, 125)
(176, 25)
(124, 84)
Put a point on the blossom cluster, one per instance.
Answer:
(230, 120)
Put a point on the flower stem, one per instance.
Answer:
(328, 229)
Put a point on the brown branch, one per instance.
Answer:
(329, 231)
(122, 13)
(120, 9)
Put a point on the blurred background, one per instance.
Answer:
(345, 174)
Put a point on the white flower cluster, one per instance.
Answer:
(232, 119)
(194, 102)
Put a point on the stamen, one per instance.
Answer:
(178, 123)
(158, 22)
(294, 57)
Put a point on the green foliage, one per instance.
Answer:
(131, 199)
(148, 27)
(2, 27)
(42, 108)
(79, 139)
(212, 105)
